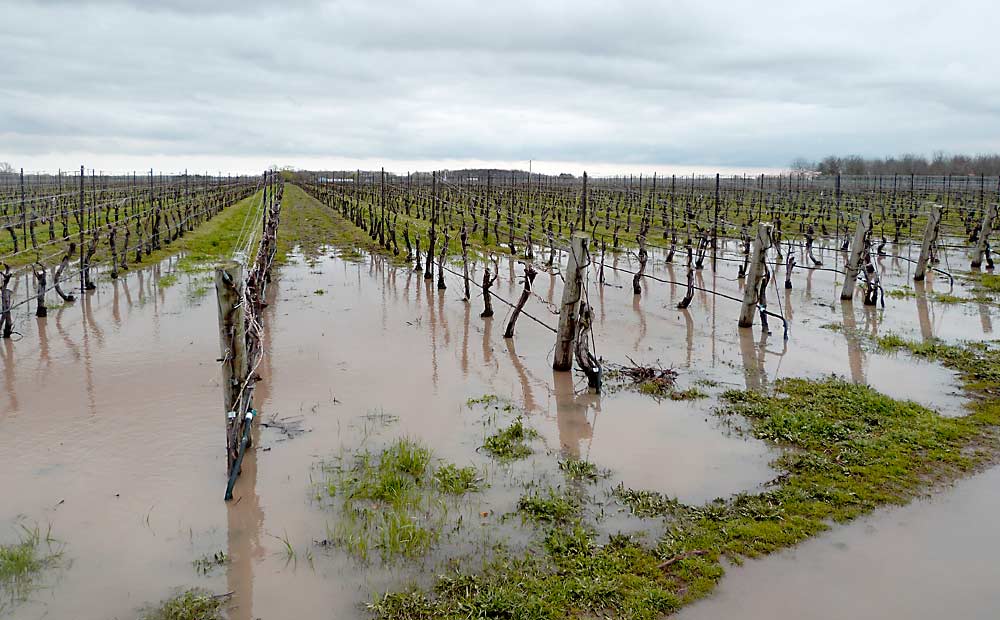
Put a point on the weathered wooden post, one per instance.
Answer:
(576, 268)
(232, 346)
(858, 247)
(755, 271)
(930, 236)
(984, 236)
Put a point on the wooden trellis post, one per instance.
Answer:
(233, 348)
(930, 236)
(761, 243)
(576, 271)
(858, 247)
(984, 236)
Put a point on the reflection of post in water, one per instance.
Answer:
(465, 338)
(7, 355)
(244, 516)
(600, 300)
(443, 317)
(923, 311)
(245, 521)
(487, 338)
(88, 324)
(406, 287)
(75, 350)
(871, 320)
(688, 334)
(984, 317)
(432, 317)
(637, 308)
(128, 294)
(116, 314)
(673, 284)
(752, 356)
(699, 281)
(855, 354)
(88, 314)
(160, 291)
(571, 414)
(522, 375)
(43, 341)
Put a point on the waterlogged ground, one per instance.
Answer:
(111, 431)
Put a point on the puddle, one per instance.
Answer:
(931, 559)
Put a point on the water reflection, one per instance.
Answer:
(855, 354)
(571, 414)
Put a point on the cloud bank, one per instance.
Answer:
(634, 85)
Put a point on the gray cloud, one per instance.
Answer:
(640, 83)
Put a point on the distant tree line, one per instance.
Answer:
(939, 163)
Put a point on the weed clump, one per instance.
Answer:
(456, 480)
(512, 442)
(193, 604)
(578, 469)
(552, 506)
(393, 501)
(22, 563)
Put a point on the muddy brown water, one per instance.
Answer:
(111, 427)
(935, 558)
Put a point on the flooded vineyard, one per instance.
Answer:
(407, 460)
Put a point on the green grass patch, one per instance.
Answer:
(22, 564)
(691, 393)
(393, 502)
(578, 469)
(511, 442)
(485, 400)
(193, 604)
(451, 478)
(552, 506)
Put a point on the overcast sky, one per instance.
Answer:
(236, 85)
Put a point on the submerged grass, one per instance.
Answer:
(208, 563)
(457, 480)
(847, 450)
(511, 443)
(193, 604)
(393, 502)
(578, 469)
(22, 564)
(553, 506)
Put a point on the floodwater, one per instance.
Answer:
(935, 558)
(111, 421)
